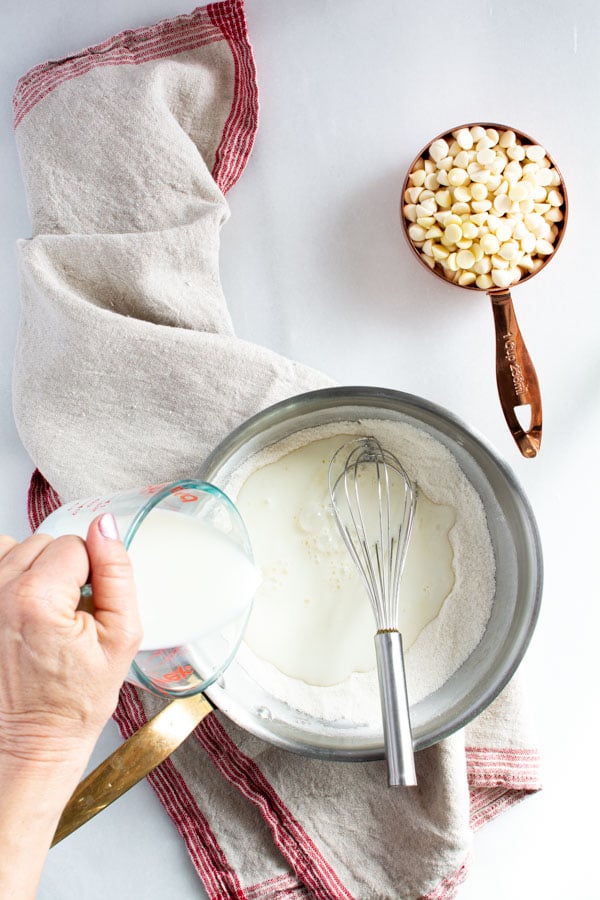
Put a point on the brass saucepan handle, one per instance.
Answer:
(516, 376)
(132, 761)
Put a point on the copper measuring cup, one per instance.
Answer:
(516, 377)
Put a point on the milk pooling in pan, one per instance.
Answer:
(309, 640)
(313, 619)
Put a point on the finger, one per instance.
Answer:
(113, 587)
(64, 565)
(6, 543)
(21, 556)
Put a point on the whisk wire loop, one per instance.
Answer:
(355, 530)
(377, 542)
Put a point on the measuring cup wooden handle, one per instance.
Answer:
(515, 375)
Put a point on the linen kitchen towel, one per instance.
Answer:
(128, 372)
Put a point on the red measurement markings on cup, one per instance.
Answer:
(186, 496)
(183, 495)
(510, 353)
(93, 505)
(181, 673)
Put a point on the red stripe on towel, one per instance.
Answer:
(289, 836)
(513, 764)
(209, 860)
(42, 499)
(283, 887)
(131, 47)
(240, 129)
(498, 778)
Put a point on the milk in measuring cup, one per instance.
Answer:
(192, 578)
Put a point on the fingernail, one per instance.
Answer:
(107, 526)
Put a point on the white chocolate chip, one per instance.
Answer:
(543, 247)
(535, 152)
(452, 233)
(528, 242)
(484, 143)
(433, 233)
(521, 190)
(509, 250)
(489, 244)
(501, 203)
(464, 138)
(516, 152)
(462, 160)
(438, 150)
(417, 179)
(416, 233)
(465, 259)
(427, 207)
(457, 177)
(470, 230)
(507, 139)
(477, 251)
(446, 163)
(483, 266)
(555, 198)
(485, 156)
(463, 194)
(479, 191)
(439, 252)
(461, 209)
(481, 206)
(504, 230)
(512, 171)
(452, 264)
(502, 278)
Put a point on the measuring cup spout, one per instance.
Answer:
(516, 377)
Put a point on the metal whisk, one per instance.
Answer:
(374, 504)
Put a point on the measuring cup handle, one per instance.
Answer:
(515, 376)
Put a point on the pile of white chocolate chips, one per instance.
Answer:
(483, 207)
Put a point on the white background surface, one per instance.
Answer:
(314, 266)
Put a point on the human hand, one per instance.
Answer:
(62, 667)
(60, 673)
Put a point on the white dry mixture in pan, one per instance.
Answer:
(435, 652)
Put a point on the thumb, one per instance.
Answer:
(113, 586)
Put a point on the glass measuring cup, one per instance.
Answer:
(516, 378)
(195, 575)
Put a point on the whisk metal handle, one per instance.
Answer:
(397, 732)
